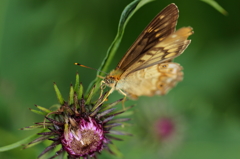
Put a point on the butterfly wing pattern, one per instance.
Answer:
(147, 67)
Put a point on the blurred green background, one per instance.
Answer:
(40, 40)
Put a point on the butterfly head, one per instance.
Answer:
(113, 77)
(110, 81)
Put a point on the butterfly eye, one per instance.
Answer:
(164, 66)
(161, 85)
(107, 80)
(110, 80)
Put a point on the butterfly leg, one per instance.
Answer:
(102, 87)
(124, 99)
(101, 93)
(106, 96)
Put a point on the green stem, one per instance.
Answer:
(127, 13)
(3, 10)
(19, 143)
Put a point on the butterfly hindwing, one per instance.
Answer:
(157, 79)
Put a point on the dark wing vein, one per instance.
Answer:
(161, 26)
(166, 50)
(161, 58)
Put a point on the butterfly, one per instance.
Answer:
(147, 68)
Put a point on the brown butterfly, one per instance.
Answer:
(147, 68)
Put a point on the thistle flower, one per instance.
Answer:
(166, 128)
(83, 128)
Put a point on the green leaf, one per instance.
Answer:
(58, 93)
(80, 92)
(115, 150)
(126, 114)
(127, 13)
(43, 109)
(215, 5)
(37, 112)
(76, 87)
(89, 97)
(109, 106)
(120, 112)
(55, 106)
(19, 143)
(31, 145)
(32, 127)
(71, 94)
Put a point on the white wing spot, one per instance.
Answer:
(157, 35)
(158, 92)
(174, 36)
(161, 17)
(165, 24)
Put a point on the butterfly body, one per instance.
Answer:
(147, 68)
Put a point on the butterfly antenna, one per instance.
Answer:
(89, 67)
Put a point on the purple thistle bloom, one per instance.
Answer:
(165, 127)
(82, 128)
(86, 138)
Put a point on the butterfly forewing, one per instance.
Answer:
(169, 48)
(162, 26)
